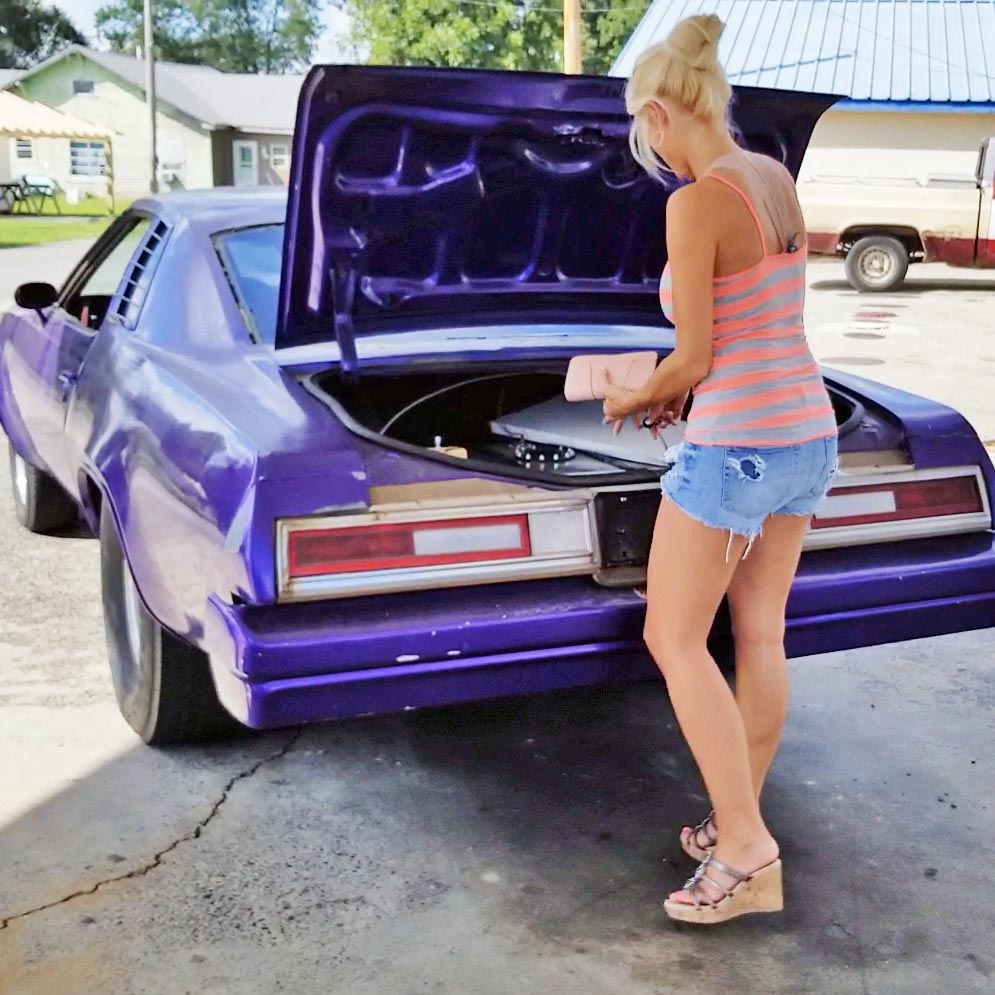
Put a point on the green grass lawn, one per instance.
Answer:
(20, 229)
(87, 207)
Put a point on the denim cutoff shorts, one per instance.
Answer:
(737, 487)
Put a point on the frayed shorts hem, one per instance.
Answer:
(750, 535)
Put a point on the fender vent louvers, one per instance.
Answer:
(132, 296)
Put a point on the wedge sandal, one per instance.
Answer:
(760, 891)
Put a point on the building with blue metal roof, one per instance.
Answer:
(917, 54)
(917, 77)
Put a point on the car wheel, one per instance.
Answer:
(40, 504)
(876, 263)
(162, 684)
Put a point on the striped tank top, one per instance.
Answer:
(764, 387)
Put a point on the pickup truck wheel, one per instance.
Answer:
(162, 684)
(40, 504)
(876, 263)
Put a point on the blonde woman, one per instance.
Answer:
(758, 455)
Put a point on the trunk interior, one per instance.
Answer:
(512, 420)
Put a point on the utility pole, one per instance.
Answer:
(571, 36)
(150, 90)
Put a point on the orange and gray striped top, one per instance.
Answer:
(764, 387)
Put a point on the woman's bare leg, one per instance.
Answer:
(686, 578)
(758, 594)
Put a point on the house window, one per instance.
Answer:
(279, 156)
(82, 87)
(87, 159)
(25, 148)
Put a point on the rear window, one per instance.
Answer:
(251, 258)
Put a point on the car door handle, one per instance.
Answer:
(66, 382)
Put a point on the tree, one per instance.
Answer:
(609, 31)
(247, 36)
(120, 24)
(30, 32)
(488, 34)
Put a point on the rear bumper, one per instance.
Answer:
(285, 664)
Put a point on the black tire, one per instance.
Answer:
(162, 684)
(876, 264)
(40, 504)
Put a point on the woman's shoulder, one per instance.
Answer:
(771, 164)
(691, 202)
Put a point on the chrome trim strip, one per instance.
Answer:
(420, 578)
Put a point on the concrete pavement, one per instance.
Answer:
(50, 263)
(935, 336)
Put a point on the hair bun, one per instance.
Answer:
(695, 40)
(685, 69)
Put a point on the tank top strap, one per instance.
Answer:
(749, 206)
(776, 198)
(779, 199)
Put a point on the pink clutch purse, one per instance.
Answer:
(586, 374)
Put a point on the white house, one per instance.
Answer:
(213, 128)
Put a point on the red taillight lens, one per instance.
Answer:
(314, 552)
(900, 501)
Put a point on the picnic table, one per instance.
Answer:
(28, 194)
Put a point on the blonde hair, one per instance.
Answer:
(684, 67)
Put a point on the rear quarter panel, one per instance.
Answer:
(935, 435)
(198, 441)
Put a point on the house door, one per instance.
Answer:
(246, 163)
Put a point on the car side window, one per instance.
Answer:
(251, 258)
(89, 300)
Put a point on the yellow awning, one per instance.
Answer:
(22, 118)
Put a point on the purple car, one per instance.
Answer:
(323, 442)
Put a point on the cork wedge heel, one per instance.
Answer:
(760, 891)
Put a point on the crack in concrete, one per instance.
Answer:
(160, 854)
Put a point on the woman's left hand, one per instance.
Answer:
(621, 403)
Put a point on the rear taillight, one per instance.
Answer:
(397, 547)
(900, 501)
(314, 552)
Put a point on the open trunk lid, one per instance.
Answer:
(430, 198)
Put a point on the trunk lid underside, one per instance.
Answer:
(440, 198)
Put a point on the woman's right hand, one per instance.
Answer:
(663, 413)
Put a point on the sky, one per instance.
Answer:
(328, 50)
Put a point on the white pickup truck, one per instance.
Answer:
(879, 226)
